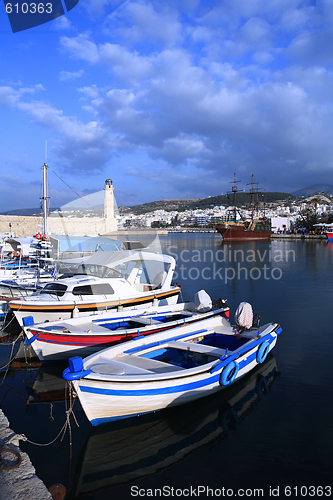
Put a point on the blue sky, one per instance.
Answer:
(168, 99)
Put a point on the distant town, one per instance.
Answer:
(287, 212)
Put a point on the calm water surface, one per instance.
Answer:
(273, 429)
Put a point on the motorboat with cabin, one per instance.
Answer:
(104, 281)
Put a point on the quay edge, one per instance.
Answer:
(290, 236)
(21, 482)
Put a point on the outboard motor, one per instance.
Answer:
(202, 301)
(244, 316)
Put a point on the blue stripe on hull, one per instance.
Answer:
(164, 390)
(152, 392)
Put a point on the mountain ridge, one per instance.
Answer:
(182, 204)
(314, 189)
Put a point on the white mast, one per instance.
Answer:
(44, 198)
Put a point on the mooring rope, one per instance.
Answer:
(69, 412)
(11, 357)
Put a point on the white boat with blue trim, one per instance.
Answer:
(168, 368)
(85, 335)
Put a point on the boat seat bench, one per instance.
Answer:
(201, 348)
(129, 365)
(148, 363)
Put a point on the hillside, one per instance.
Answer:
(23, 212)
(243, 199)
(314, 189)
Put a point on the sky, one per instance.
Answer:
(167, 98)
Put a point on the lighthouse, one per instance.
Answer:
(108, 200)
(110, 221)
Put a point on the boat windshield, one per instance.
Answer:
(54, 289)
(98, 271)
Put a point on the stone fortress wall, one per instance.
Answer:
(23, 226)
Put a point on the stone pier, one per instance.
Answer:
(18, 480)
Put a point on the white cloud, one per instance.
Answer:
(80, 47)
(91, 91)
(128, 65)
(70, 75)
(140, 20)
(227, 85)
(61, 23)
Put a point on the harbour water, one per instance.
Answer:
(269, 435)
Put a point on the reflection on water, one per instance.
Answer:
(125, 451)
(122, 453)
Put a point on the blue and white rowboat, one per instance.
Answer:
(167, 369)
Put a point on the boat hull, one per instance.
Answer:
(109, 397)
(57, 343)
(234, 232)
(112, 403)
(53, 311)
(161, 441)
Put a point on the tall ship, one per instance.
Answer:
(257, 227)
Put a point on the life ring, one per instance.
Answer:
(38, 236)
(229, 373)
(14, 452)
(263, 352)
(16, 254)
(46, 237)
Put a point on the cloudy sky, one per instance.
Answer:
(167, 98)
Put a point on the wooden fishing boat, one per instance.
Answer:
(59, 340)
(167, 369)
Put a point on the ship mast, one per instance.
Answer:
(254, 192)
(234, 197)
(45, 198)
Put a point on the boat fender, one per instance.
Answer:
(75, 312)
(75, 369)
(13, 452)
(229, 373)
(263, 352)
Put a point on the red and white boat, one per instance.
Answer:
(59, 340)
